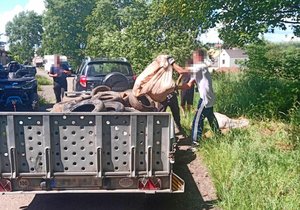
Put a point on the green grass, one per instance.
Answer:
(256, 167)
(43, 80)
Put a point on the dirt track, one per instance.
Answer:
(199, 190)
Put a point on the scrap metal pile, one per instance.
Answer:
(102, 99)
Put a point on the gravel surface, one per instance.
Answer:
(199, 191)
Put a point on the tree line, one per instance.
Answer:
(141, 29)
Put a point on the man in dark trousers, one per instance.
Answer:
(202, 78)
(172, 102)
(59, 74)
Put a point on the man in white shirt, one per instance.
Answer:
(201, 76)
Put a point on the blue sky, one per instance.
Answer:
(7, 5)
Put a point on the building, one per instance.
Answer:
(230, 58)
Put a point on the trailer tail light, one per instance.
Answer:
(149, 184)
(82, 80)
(5, 185)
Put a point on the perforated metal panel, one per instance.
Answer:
(4, 155)
(103, 144)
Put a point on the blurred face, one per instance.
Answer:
(197, 57)
(56, 61)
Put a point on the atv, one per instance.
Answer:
(18, 89)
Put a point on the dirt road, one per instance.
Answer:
(199, 191)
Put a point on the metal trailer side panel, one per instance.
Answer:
(47, 145)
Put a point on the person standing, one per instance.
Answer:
(202, 78)
(187, 95)
(172, 102)
(59, 74)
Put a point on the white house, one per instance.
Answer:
(229, 58)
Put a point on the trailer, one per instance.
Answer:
(105, 152)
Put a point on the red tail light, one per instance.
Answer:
(5, 185)
(149, 184)
(82, 81)
(134, 77)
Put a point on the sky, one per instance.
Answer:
(10, 8)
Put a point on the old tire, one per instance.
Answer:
(130, 109)
(114, 106)
(89, 105)
(142, 103)
(108, 96)
(101, 88)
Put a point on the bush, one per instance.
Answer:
(265, 89)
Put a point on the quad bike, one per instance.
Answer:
(18, 90)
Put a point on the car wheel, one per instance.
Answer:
(117, 81)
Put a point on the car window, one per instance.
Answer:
(104, 68)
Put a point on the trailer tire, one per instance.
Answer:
(89, 105)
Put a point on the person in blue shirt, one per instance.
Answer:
(59, 73)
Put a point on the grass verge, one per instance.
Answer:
(257, 167)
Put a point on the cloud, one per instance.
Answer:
(211, 36)
(36, 5)
(5, 17)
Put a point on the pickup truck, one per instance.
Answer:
(104, 152)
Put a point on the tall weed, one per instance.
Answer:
(255, 168)
(250, 95)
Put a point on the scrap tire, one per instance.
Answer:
(101, 88)
(108, 96)
(130, 109)
(142, 103)
(113, 106)
(89, 105)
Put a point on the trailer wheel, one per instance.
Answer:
(89, 105)
(114, 106)
(101, 88)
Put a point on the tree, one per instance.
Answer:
(64, 24)
(243, 21)
(139, 30)
(24, 33)
(240, 22)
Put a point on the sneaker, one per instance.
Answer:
(194, 147)
(178, 130)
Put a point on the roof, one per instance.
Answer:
(236, 53)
